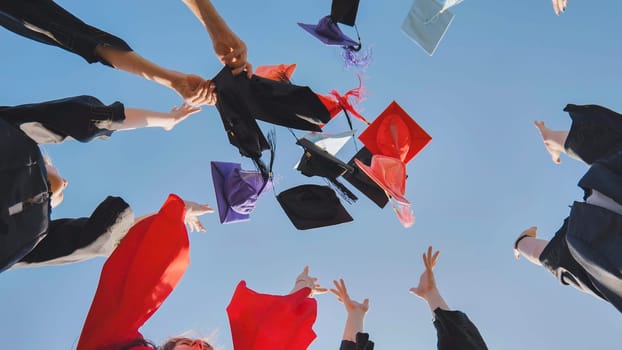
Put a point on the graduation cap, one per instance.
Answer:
(268, 100)
(427, 22)
(327, 30)
(318, 161)
(344, 11)
(313, 206)
(263, 321)
(390, 174)
(237, 190)
(281, 72)
(395, 134)
(362, 182)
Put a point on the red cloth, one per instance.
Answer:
(279, 72)
(271, 322)
(137, 278)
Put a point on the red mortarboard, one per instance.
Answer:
(271, 322)
(389, 173)
(281, 72)
(395, 134)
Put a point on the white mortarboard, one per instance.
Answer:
(426, 23)
(331, 143)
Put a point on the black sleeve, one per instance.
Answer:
(57, 27)
(456, 331)
(80, 117)
(74, 240)
(362, 343)
(595, 132)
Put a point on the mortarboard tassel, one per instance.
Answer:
(343, 191)
(344, 100)
(352, 57)
(404, 214)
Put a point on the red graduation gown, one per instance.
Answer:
(137, 278)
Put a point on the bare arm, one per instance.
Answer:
(228, 47)
(141, 118)
(529, 246)
(192, 88)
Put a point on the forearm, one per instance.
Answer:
(133, 63)
(354, 324)
(209, 17)
(531, 248)
(435, 300)
(136, 118)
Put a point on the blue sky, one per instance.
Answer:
(483, 179)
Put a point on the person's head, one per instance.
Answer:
(180, 343)
(57, 183)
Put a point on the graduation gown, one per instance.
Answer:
(455, 331)
(584, 253)
(46, 22)
(137, 278)
(28, 237)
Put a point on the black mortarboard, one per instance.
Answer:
(271, 101)
(312, 206)
(362, 182)
(344, 11)
(317, 162)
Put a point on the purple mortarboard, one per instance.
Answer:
(237, 190)
(328, 32)
(427, 22)
(312, 206)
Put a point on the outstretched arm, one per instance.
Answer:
(553, 140)
(305, 281)
(193, 89)
(529, 246)
(356, 311)
(141, 118)
(427, 289)
(229, 48)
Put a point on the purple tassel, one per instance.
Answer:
(354, 58)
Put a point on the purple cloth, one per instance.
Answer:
(329, 33)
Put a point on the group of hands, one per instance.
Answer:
(424, 290)
(232, 52)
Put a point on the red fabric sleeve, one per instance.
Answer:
(263, 321)
(137, 278)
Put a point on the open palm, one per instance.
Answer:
(427, 283)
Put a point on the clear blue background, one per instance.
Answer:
(484, 178)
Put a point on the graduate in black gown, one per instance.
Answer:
(30, 186)
(585, 251)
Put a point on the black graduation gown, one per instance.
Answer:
(455, 331)
(585, 251)
(27, 235)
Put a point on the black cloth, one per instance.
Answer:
(595, 132)
(46, 22)
(65, 237)
(80, 117)
(455, 331)
(26, 229)
(585, 251)
(23, 187)
(362, 343)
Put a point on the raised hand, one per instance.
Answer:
(427, 283)
(553, 140)
(530, 232)
(193, 211)
(305, 281)
(559, 6)
(352, 307)
(179, 114)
